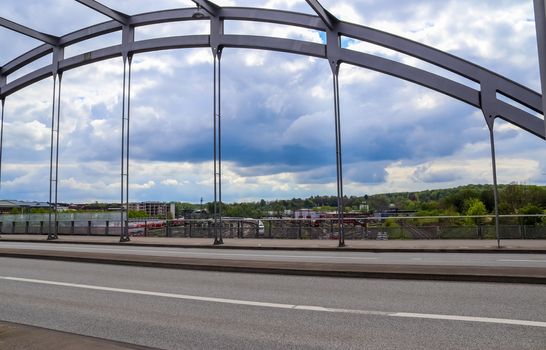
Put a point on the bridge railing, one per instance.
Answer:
(459, 227)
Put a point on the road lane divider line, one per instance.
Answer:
(471, 319)
(521, 260)
(150, 293)
(283, 306)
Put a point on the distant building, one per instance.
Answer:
(154, 208)
(306, 214)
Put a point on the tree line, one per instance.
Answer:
(464, 200)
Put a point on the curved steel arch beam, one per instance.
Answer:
(447, 61)
(471, 71)
(273, 16)
(383, 65)
(274, 44)
(90, 32)
(164, 16)
(516, 116)
(26, 80)
(409, 73)
(26, 58)
(412, 74)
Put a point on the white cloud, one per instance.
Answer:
(170, 182)
(255, 58)
(32, 135)
(147, 185)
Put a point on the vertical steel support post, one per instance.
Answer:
(540, 23)
(333, 53)
(216, 33)
(3, 101)
(339, 163)
(50, 234)
(54, 158)
(215, 209)
(57, 154)
(128, 36)
(219, 94)
(53, 227)
(122, 170)
(495, 187)
(488, 100)
(125, 114)
(217, 143)
(127, 147)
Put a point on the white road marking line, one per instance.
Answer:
(521, 260)
(285, 306)
(471, 319)
(143, 292)
(85, 249)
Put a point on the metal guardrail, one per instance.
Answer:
(446, 227)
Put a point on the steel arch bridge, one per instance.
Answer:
(484, 98)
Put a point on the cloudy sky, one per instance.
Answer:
(278, 124)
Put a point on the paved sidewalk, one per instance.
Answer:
(455, 245)
(22, 337)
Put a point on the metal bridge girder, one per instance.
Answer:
(2, 84)
(540, 23)
(105, 10)
(21, 29)
(515, 91)
(329, 20)
(208, 6)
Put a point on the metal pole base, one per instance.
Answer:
(341, 244)
(52, 237)
(124, 239)
(218, 241)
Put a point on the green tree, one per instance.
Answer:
(530, 209)
(513, 197)
(474, 206)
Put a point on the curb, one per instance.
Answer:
(324, 249)
(406, 272)
(20, 336)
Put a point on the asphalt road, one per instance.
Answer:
(443, 259)
(181, 309)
